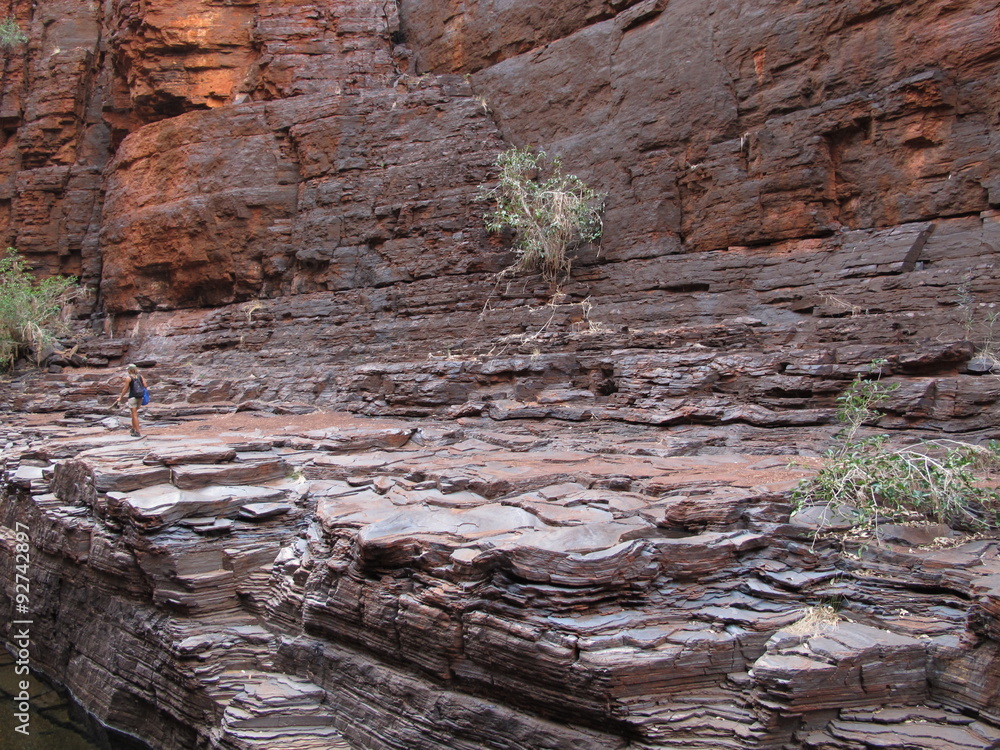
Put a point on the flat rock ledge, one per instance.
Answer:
(395, 584)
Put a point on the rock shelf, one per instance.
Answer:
(393, 499)
(394, 583)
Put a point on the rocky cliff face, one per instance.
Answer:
(470, 584)
(231, 180)
(274, 205)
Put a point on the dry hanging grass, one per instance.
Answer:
(549, 216)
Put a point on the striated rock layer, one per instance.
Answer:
(282, 198)
(421, 585)
(573, 532)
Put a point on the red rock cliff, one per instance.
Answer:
(276, 203)
(826, 174)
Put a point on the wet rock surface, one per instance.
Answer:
(536, 587)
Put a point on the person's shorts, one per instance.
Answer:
(134, 403)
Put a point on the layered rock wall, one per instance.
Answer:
(434, 586)
(714, 125)
(231, 180)
(710, 128)
(297, 195)
(274, 207)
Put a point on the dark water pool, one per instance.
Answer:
(56, 722)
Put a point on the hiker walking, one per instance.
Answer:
(135, 387)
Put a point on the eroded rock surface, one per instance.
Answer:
(826, 171)
(575, 531)
(471, 584)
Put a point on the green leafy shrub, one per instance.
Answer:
(10, 33)
(936, 480)
(29, 309)
(549, 216)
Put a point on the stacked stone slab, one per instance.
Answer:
(274, 209)
(415, 585)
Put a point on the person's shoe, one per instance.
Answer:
(133, 433)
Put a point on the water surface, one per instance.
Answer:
(56, 722)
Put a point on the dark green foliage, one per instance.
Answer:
(30, 310)
(10, 33)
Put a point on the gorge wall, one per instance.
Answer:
(273, 209)
(231, 179)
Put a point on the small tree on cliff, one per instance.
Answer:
(549, 216)
(10, 33)
(30, 310)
